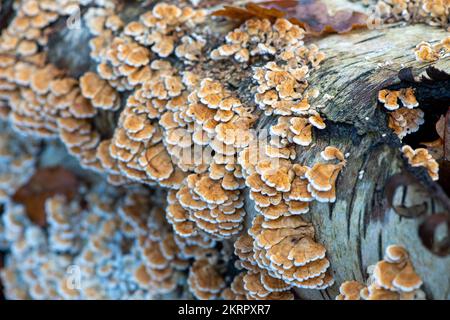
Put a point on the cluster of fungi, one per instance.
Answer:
(405, 117)
(167, 208)
(431, 12)
(392, 278)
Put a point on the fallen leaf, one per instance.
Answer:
(440, 127)
(312, 15)
(251, 10)
(45, 183)
(446, 134)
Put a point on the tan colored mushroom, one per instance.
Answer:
(432, 12)
(332, 153)
(99, 92)
(236, 291)
(389, 98)
(424, 52)
(302, 130)
(350, 290)
(205, 282)
(285, 248)
(420, 157)
(393, 278)
(322, 176)
(405, 121)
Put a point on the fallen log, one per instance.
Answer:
(358, 227)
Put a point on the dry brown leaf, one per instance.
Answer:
(440, 127)
(251, 10)
(312, 15)
(447, 136)
(46, 182)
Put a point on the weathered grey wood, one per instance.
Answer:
(358, 227)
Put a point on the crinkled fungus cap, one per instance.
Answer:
(350, 290)
(393, 278)
(205, 282)
(420, 157)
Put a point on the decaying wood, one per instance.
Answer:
(358, 227)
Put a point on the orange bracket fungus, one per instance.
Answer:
(392, 278)
(188, 157)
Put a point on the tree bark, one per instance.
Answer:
(356, 228)
(359, 226)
